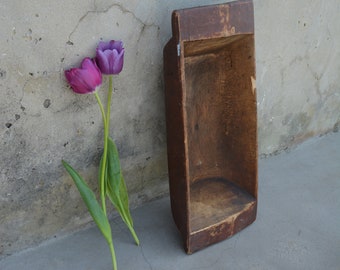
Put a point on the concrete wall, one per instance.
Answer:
(42, 121)
(298, 70)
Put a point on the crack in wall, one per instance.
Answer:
(96, 11)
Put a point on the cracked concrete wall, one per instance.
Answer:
(42, 121)
(298, 68)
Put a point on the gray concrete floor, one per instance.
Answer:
(297, 227)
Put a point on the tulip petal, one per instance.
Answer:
(118, 63)
(92, 72)
(110, 57)
(102, 46)
(102, 62)
(86, 79)
(116, 45)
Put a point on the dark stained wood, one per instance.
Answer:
(216, 200)
(209, 70)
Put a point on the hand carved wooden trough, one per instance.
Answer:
(209, 70)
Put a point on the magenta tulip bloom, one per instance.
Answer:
(110, 57)
(86, 79)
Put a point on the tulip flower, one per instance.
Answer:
(110, 57)
(86, 79)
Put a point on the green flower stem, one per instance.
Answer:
(106, 120)
(108, 111)
(106, 134)
(113, 256)
(108, 107)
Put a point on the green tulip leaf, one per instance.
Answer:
(116, 187)
(114, 171)
(91, 203)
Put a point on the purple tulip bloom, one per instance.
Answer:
(86, 79)
(110, 57)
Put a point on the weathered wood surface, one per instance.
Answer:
(209, 70)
